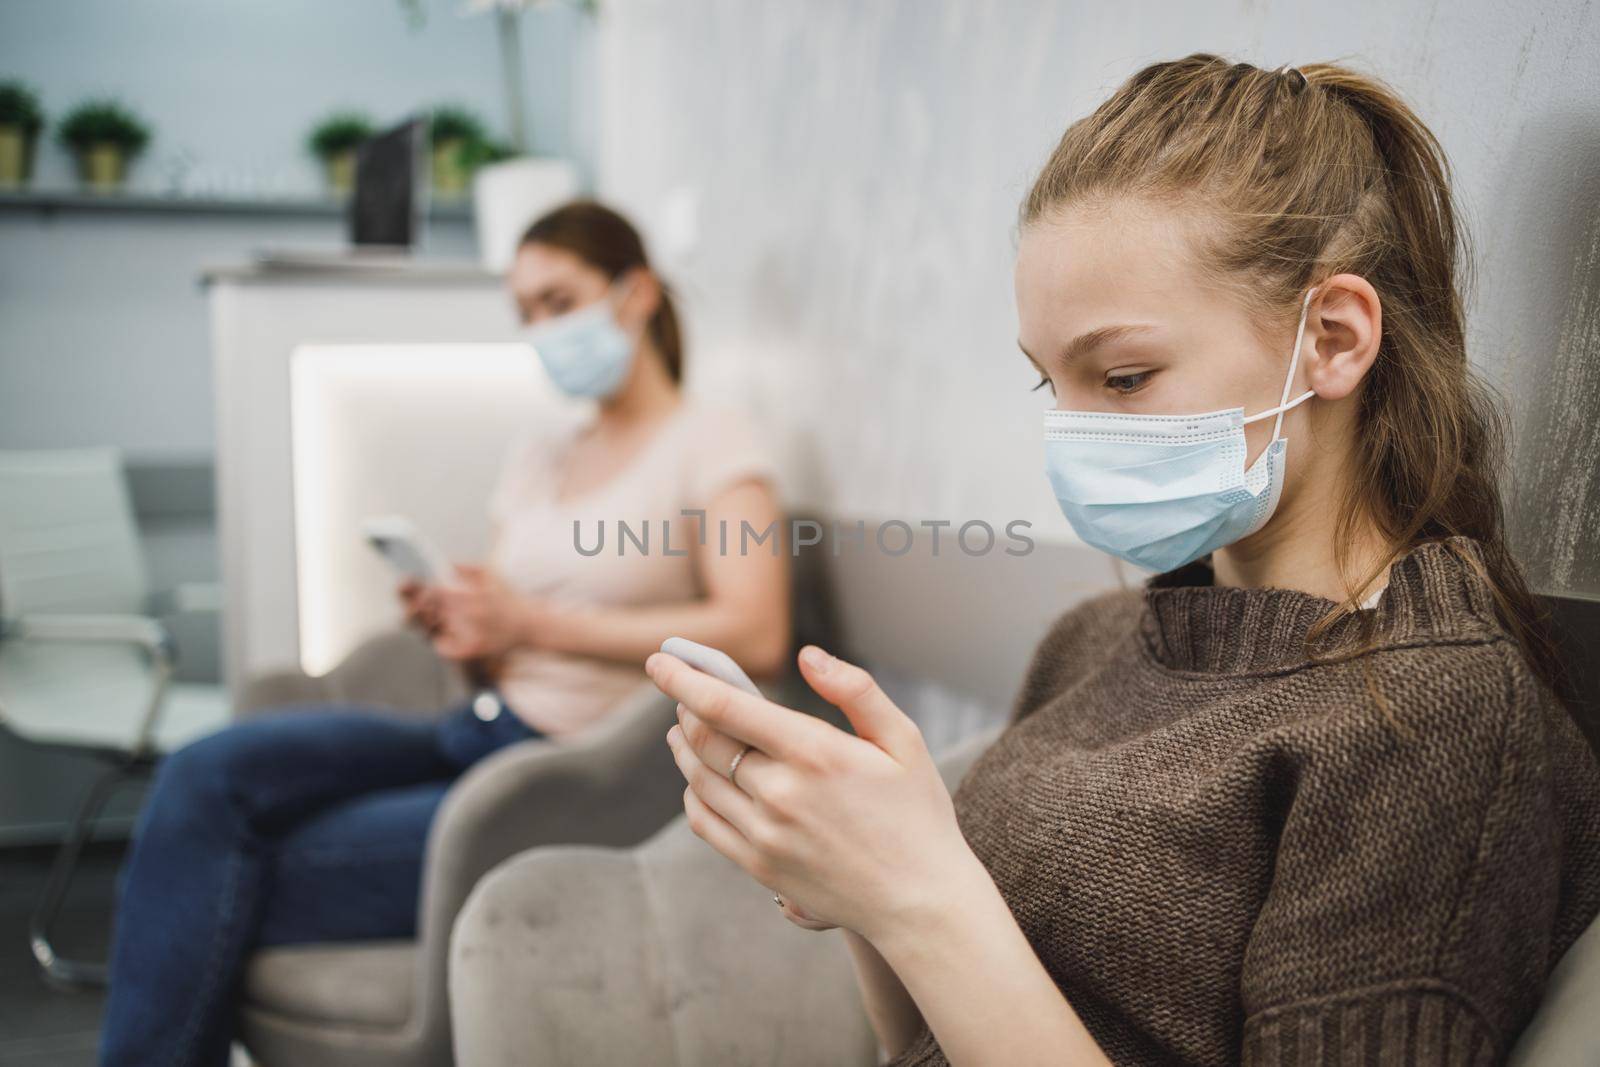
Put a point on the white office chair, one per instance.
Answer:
(85, 666)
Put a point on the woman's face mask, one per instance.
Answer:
(585, 352)
(1161, 491)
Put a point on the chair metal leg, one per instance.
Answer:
(57, 969)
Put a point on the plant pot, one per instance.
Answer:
(102, 166)
(16, 157)
(449, 175)
(341, 171)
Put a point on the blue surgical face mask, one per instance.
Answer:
(1161, 491)
(585, 352)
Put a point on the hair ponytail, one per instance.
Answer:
(604, 239)
(1470, 503)
(666, 334)
(1307, 174)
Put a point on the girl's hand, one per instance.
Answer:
(480, 616)
(851, 830)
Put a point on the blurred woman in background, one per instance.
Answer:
(310, 825)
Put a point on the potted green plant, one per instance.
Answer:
(475, 154)
(334, 141)
(455, 132)
(20, 121)
(105, 137)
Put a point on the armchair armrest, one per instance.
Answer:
(665, 952)
(278, 690)
(614, 784)
(141, 631)
(394, 669)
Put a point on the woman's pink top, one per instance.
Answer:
(696, 454)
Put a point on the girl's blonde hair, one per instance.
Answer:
(1303, 174)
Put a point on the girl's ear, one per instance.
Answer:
(1343, 331)
(641, 297)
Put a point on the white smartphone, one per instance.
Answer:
(395, 539)
(713, 661)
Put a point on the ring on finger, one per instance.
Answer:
(733, 768)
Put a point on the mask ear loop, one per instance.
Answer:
(616, 299)
(621, 288)
(1284, 403)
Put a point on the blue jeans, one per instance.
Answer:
(299, 826)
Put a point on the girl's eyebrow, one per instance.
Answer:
(1087, 342)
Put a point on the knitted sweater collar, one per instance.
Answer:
(1435, 593)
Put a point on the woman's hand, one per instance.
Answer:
(480, 616)
(420, 603)
(851, 830)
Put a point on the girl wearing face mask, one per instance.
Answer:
(1309, 795)
(310, 826)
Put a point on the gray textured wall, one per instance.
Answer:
(834, 184)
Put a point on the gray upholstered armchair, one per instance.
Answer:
(383, 1002)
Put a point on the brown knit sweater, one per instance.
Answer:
(1223, 853)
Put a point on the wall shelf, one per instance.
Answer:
(58, 201)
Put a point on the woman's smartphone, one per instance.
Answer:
(713, 661)
(395, 539)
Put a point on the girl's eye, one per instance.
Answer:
(1043, 381)
(1127, 383)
